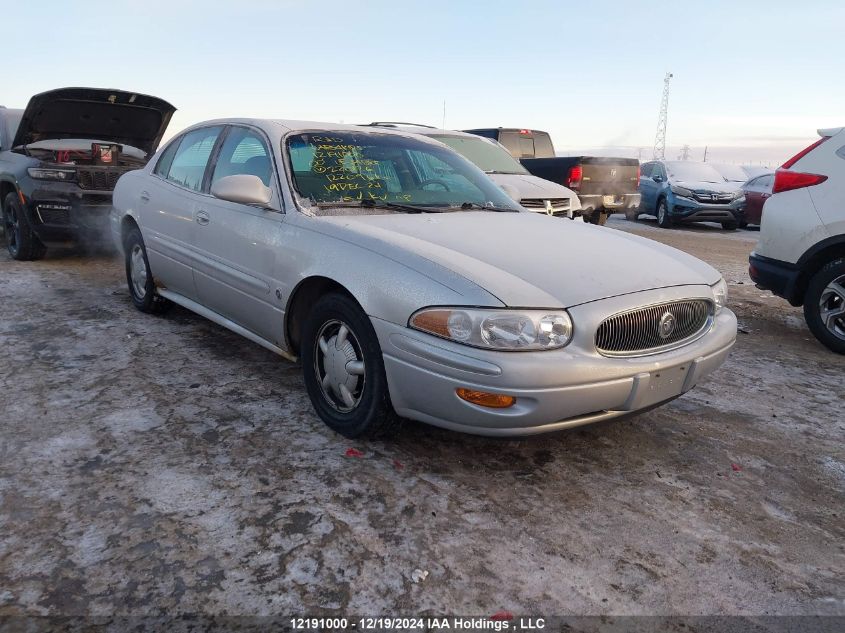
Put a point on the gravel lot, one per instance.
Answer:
(152, 464)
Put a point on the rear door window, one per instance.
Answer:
(190, 160)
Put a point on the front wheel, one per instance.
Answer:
(729, 226)
(344, 369)
(664, 220)
(824, 306)
(21, 241)
(139, 278)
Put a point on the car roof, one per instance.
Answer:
(295, 125)
(423, 130)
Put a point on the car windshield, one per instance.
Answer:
(375, 172)
(686, 171)
(487, 155)
(734, 173)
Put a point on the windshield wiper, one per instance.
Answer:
(382, 204)
(466, 206)
(507, 173)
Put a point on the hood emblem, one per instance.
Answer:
(666, 325)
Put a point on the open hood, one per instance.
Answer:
(116, 116)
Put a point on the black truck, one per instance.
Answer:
(60, 159)
(604, 185)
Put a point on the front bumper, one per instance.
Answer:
(554, 389)
(689, 210)
(781, 278)
(61, 213)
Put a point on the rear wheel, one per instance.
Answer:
(22, 243)
(598, 217)
(824, 306)
(632, 214)
(344, 369)
(664, 220)
(139, 277)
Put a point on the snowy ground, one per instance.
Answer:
(153, 464)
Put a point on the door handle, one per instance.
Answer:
(203, 218)
(145, 196)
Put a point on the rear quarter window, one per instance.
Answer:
(189, 162)
(166, 158)
(543, 147)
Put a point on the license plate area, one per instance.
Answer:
(651, 388)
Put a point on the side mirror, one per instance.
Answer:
(242, 188)
(513, 192)
(657, 178)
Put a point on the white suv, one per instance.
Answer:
(800, 255)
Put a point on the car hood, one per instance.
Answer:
(528, 259)
(93, 113)
(718, 187)
(532, 187)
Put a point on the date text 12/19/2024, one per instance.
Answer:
(499, 622)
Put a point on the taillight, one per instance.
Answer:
(638, 173)
(574, 179)
(803, 153)
(786, 180)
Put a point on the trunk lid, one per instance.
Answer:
(126, 118)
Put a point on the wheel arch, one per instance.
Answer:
(127, 223)
(303, 296)
(7, 187)
(814, 260)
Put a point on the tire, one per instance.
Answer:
(599, 218)
(826, 292)
(743, 224)
(350, 403)
(139, 277)
(730, 226)
(21, 241)
(664, 220)
(633, 214)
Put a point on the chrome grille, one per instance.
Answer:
(558, 205)
(638, 332)
(709, 197)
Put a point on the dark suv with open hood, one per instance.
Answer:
(60, 158)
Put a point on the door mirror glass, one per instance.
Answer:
(243, 189)
(657, 178)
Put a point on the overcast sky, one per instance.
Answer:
(752, 80)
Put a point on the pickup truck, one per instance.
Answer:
(60, 158)
(604, 185)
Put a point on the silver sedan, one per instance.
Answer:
(409, 285)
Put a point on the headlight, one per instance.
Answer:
(513, 330)
(681, 191)
(738, 195)
(51, 174)
(720, 294)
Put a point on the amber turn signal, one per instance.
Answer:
(484, 399)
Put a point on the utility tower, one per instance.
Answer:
(685, 152)
(660, 137)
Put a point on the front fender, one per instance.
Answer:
(388, 283)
